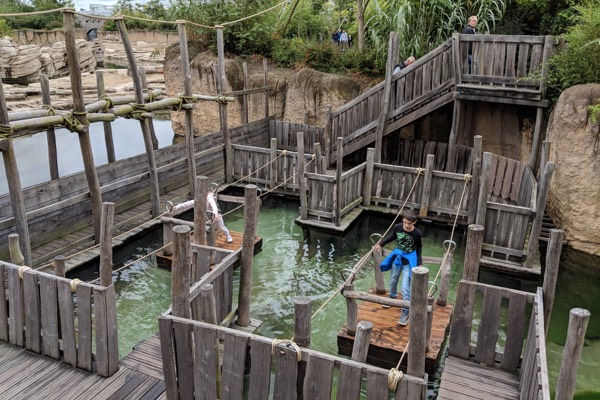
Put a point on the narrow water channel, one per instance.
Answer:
(293, 263)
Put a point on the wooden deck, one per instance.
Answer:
(464, 379)
(27, 375)
(389, 339)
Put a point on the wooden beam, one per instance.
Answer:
(426, 186)
(578, 321)
(220, 82)
(266, 83)
(536, 226)
(473, 253)
(302, 312)
(476, 155)
(360, 348)
(483, 189)
(551, 275)
(106, 233)
(108, 136)
(418, 323)
(247, 256)
(387, 92)
(50, 135)
(180, 272)
(244, 115)
(338, 180)
(300, 175)
(535, 143)
(144, 81)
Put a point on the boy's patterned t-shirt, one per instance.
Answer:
(405, 242)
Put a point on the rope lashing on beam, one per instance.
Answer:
(50, 111)
(183, 100)
(151, 96)
(394, 377)
(22, 270)
(6, 131)
(137, 112)
(72, 123)
(289, 342)
(73, 284)
(109, 102)
(221, 99)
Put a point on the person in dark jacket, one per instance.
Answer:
(470, 29)
(405, 257)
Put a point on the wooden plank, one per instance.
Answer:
(499, 175)
(112, 334)
(184, 359)
(260, 370)
(101, 328)
(377, 388)
(165, 326)
(349, 382)
(317, 381)
(205, 363)
(32, 310)
(3, 309)
(15, 307)
(234, 357)
(487, 336)
(49, 316)
(514, 332)
(460, 338)
(84, 327)
(67, 323)
(286, 374)
(522, 60)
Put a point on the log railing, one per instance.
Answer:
(59, 317)
(279, 369)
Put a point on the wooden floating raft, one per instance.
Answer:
(389, 339)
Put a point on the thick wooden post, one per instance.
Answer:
(14, 183)
(454, 129)
(300, 175)
(445, 279)
(180, 272)
(476, 155)
(139, 98)
(247, 256)
(537, 134)
(14, 248)
(360, 348)
(379, 281)
(208, 304)
(339, 190)
(327, 135)
(368, 182)
(418, 322)
(245, 95)
(187, 91)
(426, 186)
(273, 164)
(80, 115)
(211, 240)
(220, 81)
(387, 92)
(50, 135)
(551, 274)
(266, 83)
(429, 321)
(351, 311)
(144, 81)
(108, 136)
(200, 210)
(456, 58)
(536, 226)
(106, 233)
(578, 321)
(473, 253)
(544, 155)
(302, 326)
(168, 237)
(483, 189)
(59, 266)
(318, 158)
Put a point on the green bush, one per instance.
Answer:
(288, 52)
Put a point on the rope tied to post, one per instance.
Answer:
(151, 96)
(73, 284)
(183, 99)
(467, 178)
(50, 111)
(22, 270)
(394, 377)
(419, 171)
(138, 110)
(221, 98)
(109, 102)
(289, 342)
(6, 131)
(72, 123)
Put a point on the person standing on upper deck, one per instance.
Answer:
(405, 257)
(470, 29)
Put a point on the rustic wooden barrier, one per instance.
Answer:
(351, 190)
(273, 367)
(285, 133)
(320, 199)
(58, 317)
(392, 185)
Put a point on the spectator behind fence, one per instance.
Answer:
(406, 63)
(470, 29)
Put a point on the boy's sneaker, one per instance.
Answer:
(385, 305)
(403, 321)
(229, 239)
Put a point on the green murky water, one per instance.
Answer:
(294, 262)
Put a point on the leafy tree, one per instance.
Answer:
(45, 21)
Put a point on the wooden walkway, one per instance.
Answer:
(464, 379)
(389, 339)
(27, 375)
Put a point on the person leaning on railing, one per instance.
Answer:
(470, 29)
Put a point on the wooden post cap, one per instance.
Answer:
(182, 229)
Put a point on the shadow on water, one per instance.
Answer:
(301, 262)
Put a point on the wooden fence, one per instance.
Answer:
(285, 133)
(487, 348)
(59, 317)
(413, 153)
(352, 189)
(321, 198)
(392, 186)
(190, 352)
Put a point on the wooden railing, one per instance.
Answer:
(190, 353)
(59, 317)
(285, 133)
(352, 189)
(320, 199)
(392, 186)
(413, 153)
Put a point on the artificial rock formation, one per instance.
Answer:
(574, 200)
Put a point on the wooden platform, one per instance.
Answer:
(389, 339)
(345, 222)
(463, 379)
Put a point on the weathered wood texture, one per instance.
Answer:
(247, 255)
(565, 387)
(322, 373)
(285, 133)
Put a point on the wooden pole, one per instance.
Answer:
(544, 155)
(50, 135)
(139, 98)
(551, 275)
(418, 322)
(200, 210)
(189, 114)
(79, 109)
(245, 95)
(106, 233)
(318, 158)
(387, 92)
(429, 321)
(351, 311)
(273, 164)
(445, 280)
(220, 81)
(483, 188)
(180, 272)
(339, 190)
(16, 256)
(426, 186)
(456, 58)
(211, 240)
(167, 237)
(59, 266)
(300, 175)
(266, 83)
(360, 348)
(454, 129)
(536, 226)
(473, 253)
(537, 134)
(379, 281)
(476, 155)
(14, 184)
(327, 138)
(108, 136)
(368, 181)
(578, 321)
(142, 70)
(247, 256)
(302, 326)
(208, 307)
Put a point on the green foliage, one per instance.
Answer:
(578, 58)
(45, 21)
(153, 9)
(594, 113)
(4, 28)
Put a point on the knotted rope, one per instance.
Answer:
(22, 270)
(72, 123)
(50, 111)
(73, 284)
(138, 110)
(289, 342)
(183, 100)
(6, 131)
(151, 96)
(109, 102)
